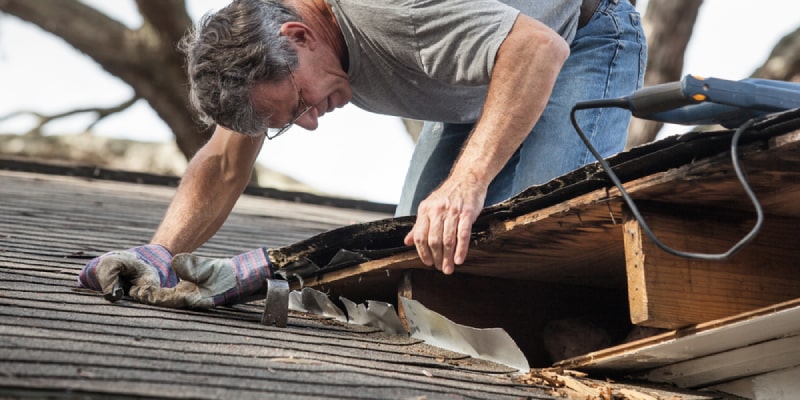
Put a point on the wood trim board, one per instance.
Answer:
(694, 342)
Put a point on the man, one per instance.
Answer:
(498, 82)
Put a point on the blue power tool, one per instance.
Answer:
(705, 101)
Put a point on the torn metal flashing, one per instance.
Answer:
(493, 344)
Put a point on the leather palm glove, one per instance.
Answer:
(141, 267)
(209, 282)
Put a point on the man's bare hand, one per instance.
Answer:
(442, 231)
(525, 71)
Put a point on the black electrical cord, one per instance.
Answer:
(623, 103)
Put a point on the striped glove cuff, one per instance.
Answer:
(252, 269)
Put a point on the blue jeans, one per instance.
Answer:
(607, 60)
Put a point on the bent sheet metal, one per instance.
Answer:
(493, 344)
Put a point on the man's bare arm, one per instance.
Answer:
(525, 71)
(214, 180)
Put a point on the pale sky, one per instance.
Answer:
(353, 153)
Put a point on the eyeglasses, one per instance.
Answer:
(272, 133)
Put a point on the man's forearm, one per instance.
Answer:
(527, 65)
(523, 77)
(214, 180)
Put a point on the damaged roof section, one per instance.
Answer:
(571, 248)
(60, 341)
(56, 338)
(553, 250)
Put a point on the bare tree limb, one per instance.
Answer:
(78, 24)
(105, 112)
(147, 59)
(101, 112)
(168, 17)
(783, 62)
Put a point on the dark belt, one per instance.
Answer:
(588, 7)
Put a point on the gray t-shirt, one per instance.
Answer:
(432, 59)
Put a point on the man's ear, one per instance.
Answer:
(300, 33)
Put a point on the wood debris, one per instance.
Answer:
(577, 385)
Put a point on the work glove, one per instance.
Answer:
(209, 282)
(140, 267)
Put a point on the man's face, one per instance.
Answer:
(322, 86)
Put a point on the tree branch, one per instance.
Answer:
(143, 58)
(79, 25)
(46, 119)
(783, 62)
(668, 26)
(168, 17)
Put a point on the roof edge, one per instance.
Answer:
(66, 168)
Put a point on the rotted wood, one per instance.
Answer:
(669, 291)
(577, 242)
(772, 168)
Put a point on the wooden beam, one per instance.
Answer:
(668, 291)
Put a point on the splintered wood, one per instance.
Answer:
(576, 385)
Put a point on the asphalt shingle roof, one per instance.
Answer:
(57, 340)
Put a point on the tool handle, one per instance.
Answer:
(658, 98)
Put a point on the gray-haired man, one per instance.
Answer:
(495, 78)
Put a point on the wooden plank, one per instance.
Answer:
(764, 324)
(578, 242)
(587, 226)
(372, 280)
(756, 359)
(668, 291)
(404, 260)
